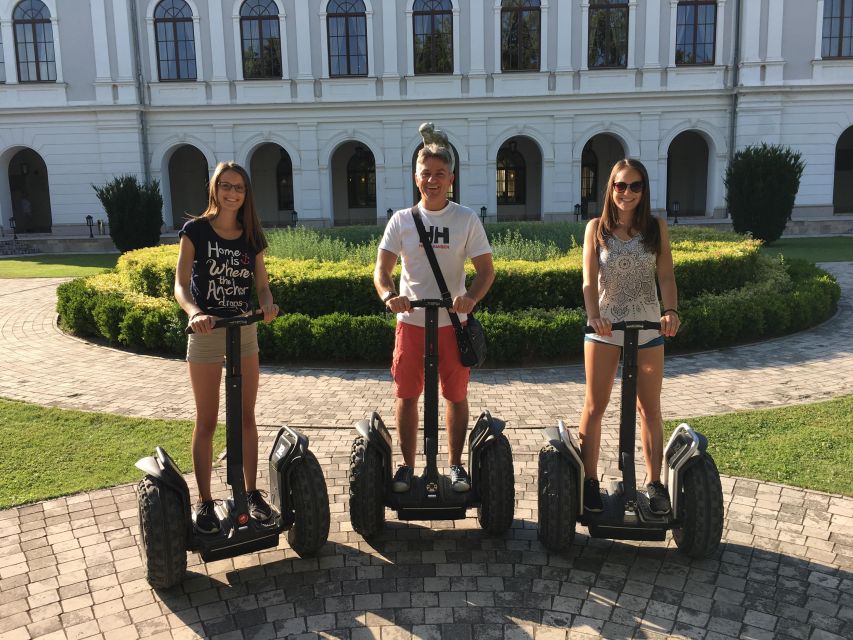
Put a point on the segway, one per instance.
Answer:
(431, 496)
(297, 493)
(696, 516)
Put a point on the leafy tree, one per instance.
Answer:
(134, 211)
(762, 183)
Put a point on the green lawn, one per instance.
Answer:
(53, 452)
(59, 265)
(834, 249)
(808, 446)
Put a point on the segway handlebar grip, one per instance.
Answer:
(431, 302)
(628, 324)
(252, 318)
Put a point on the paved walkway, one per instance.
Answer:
(70, 568)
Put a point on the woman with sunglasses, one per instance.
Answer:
(221, 254)
(623, 251)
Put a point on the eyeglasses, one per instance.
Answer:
(636, 187)
(227, 186)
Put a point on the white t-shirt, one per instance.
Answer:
(457, 234)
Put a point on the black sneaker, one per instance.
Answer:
(459, 478)
(403, 478)
(592, 496)
(258, 507)
(206, 520)
(658, 498)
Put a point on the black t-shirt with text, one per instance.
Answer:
(223, 270)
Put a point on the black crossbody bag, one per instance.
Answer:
(470, 339)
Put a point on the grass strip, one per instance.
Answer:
(51, 452)
(58, 265)
(808, 446)
(832, 249)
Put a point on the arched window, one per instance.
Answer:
(173, 26)
(259, 30)
(837, 29)
(433, 29)
(34, 42)
(284, 180)
(608, 33)
(520, 30)
(361, 179)
(696, 32)
(589, 178)
(511, 175)
(346, 21)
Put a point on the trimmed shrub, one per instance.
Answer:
(134, 211)
(762, 183)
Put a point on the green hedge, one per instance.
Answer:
(785, 297)
(317, 288)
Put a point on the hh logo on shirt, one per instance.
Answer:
(439, 238)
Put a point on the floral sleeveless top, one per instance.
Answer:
(626, 286)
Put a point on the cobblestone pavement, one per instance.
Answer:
(71, 568)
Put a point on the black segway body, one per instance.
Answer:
(431, 496)
(696, 517)
(298, 493)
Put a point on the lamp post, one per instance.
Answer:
(483, 215)
(14, 230)
(294, 217)
(389, 212)
(675, 207)
(90, 222)
(577, 213)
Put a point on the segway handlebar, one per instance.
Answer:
(628, 324)
(255, 316)
(431, 302)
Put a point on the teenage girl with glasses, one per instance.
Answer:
(221, 255)
(623, 251)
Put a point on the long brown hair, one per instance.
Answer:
(643, 222)
(247, 215)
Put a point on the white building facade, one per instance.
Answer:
(321, 100)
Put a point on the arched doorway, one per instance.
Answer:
(518, 169)
(272, 181)
(188, 179)
(687, 174)
(599, 155)
(455, 188)
(29, 190)
(353, 185)
(842, 189)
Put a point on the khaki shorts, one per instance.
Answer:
(211, 347)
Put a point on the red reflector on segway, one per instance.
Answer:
(243, 519)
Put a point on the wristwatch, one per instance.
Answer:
(388, 295)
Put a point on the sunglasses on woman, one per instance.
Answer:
(636, 187)
(237, 188)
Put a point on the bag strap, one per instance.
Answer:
(436, 269)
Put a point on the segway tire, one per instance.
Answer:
(310, 500)
(496, 486)
(366, 489)
(558, 500)
(163, 529)
(700, 509)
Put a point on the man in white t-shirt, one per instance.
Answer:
(456, 235)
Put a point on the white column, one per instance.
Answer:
(54, 24)
(304, 76)
(199, 59)
(673, 34)
(219, 78)
(632, 33)
(651, 64)
(100, 42)
(124, 54)
(774, 62)
(324, 42)
(497, 45)
(818, 36)
(282, 30)
(564, 47)
(154, 72)
(543, 30)
(477, 72)
(371, 49)
(238, 45)
(718, 38)
(390, 75)
(750, 71)
(584, 35)
(410, 42)
(8, 35)
(456, 66)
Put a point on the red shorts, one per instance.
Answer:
(407, 367)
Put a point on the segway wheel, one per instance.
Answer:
(496, 486)
(163, 528)
(558, 500)
(700, 509)
(366, 489)
(310, 530)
